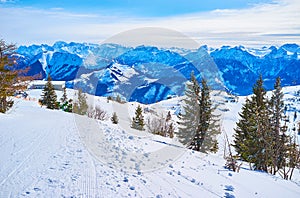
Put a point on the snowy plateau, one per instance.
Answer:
(50, 153)
(149, 74)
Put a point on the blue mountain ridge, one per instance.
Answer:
(148, 74)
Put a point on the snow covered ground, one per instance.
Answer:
(50, 153)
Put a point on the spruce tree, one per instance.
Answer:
(197, 125)
(138, 119)
(256, 129)
(49, 97)
(189, 116)
(278, 137)
(114, 118)
(8, 77)
(65, 104)
(264, 147)
(245, 132)
(208, 127)
(81, 107)
(64, 97)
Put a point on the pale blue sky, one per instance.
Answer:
(142, 8)
(211, 22)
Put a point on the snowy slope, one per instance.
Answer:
(49, 153)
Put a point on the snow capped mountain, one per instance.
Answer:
(148, 74)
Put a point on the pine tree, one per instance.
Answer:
(9, 80)
(81, 107)
(189, 116)
(264, 147)
(253, 134)
(64, 97)
(65, 104)
(138, 120)
(197, 126)
(49, 97)
(245, 132)
(278, 137)
(208, 127)
(114, 118)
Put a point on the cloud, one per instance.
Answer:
(262, 24)
(7, 1)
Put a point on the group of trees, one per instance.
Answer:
(79, 106)
(198, 125)
(49, 98)
(261, 134)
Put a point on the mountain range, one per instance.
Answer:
(148, 74)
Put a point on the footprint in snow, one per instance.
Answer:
(37, 189)
(229, 188)
(228, 195)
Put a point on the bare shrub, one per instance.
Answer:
(161, 125)
(98, 114)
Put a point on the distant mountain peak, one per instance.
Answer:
(145, 71)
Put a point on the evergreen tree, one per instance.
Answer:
(49, 97)
(64, 97)
(245, 132)
(253, 134)
(9, 79)
(138, 120)
(262, 157)
(114, 118)
(278, 137)
(189, 116)
(208, 127)
(81, 107)
(197, 126)
(65, 104)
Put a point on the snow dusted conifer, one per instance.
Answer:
(11, 80)
(198, 126)
(138, 119)
(64, 97)
(81, 106)
(278, 137)
(208, 127)
(189, 116)
(65, 104)
(253, 133)
(49, 97)
(114, 118)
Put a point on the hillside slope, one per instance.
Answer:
(48, 153)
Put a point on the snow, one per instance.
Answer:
(45, 59)
(259, 52)
(50, 153)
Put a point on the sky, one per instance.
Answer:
(177, 23)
